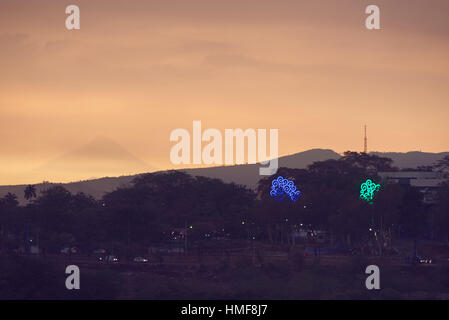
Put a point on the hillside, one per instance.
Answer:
(241, 174)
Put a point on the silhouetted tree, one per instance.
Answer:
(441, 210)
(30, 192)
(443, 166)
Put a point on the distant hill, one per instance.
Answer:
(241, 174)
(412, 159)
(249, 174)
(96, 187)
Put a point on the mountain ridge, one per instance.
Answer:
(245, 174)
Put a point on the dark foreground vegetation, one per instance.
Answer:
(294, 278)
(198, 215)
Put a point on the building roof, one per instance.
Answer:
(426, 183)
(410, 175)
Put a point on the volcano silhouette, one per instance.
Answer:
(102, 157)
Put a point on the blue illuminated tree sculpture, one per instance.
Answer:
(282, 189)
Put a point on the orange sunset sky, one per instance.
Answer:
(136, 70)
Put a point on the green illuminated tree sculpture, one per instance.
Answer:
(368, 190)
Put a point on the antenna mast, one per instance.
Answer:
(365, 149)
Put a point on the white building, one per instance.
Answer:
(426, 182)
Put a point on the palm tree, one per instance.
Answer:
(30, 192)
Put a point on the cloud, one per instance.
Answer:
(139, 68)
(202, 46)
(14, 45)
(13, 39)
(57, 45)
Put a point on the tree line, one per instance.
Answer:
(148, 210)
